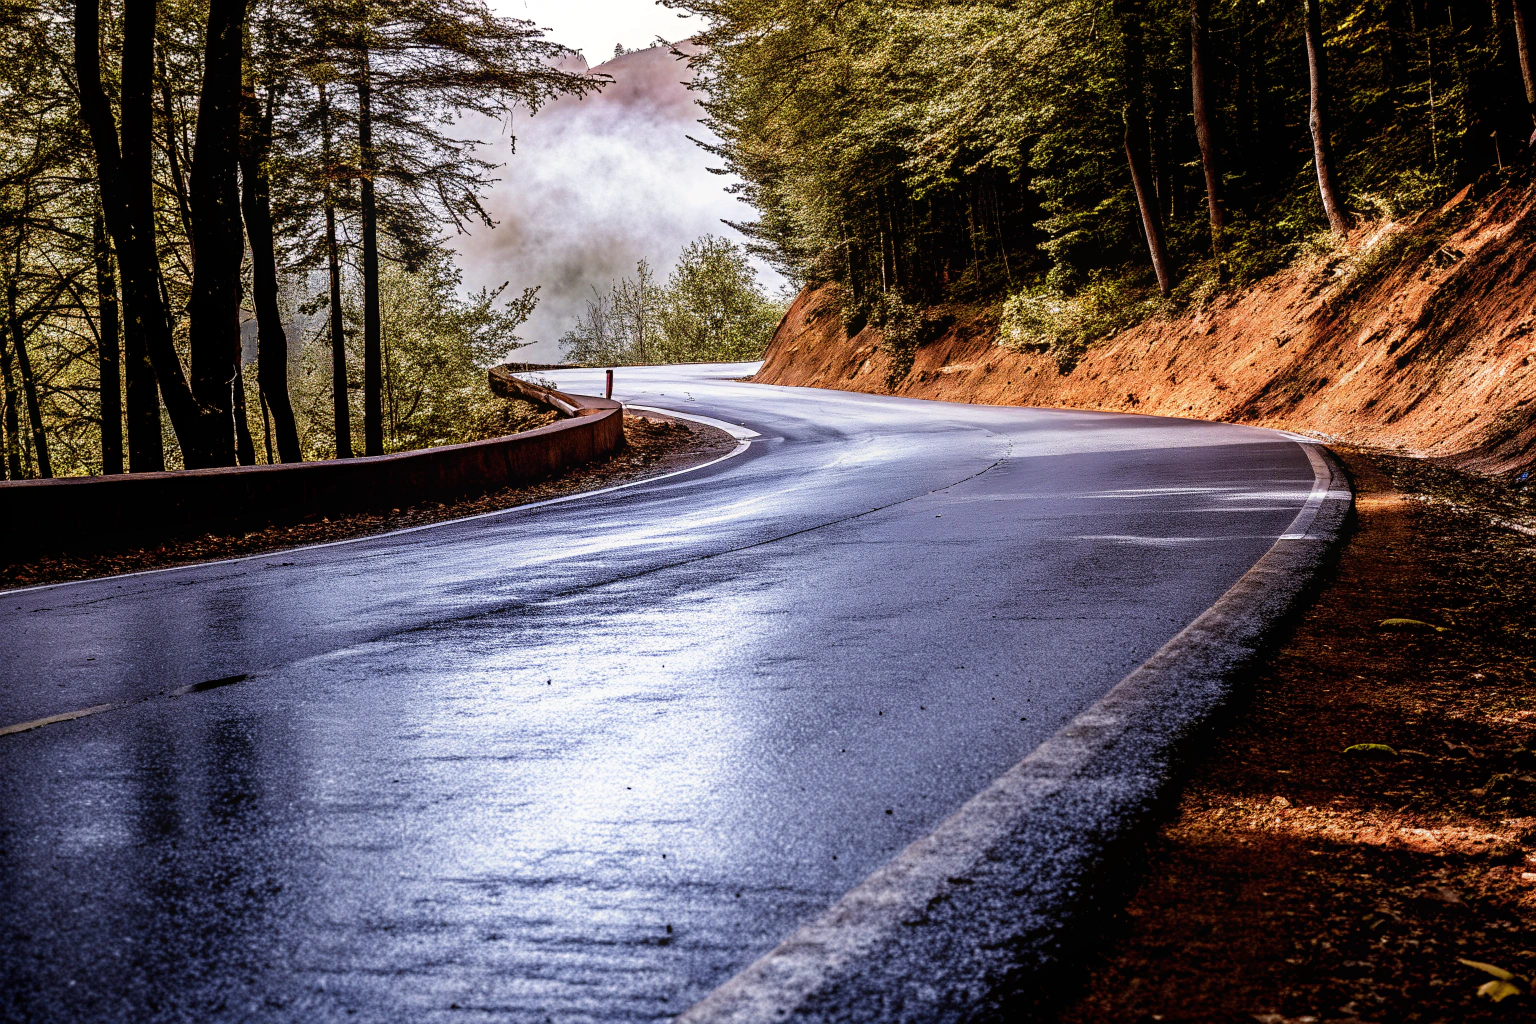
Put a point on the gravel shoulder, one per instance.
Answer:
(1300, 881)
(654, 445)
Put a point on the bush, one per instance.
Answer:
(1046, 320)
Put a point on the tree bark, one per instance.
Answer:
(1523, 45)
(109, 353)
(12, 411)
(1317, 120)
(28, 381)
(1205, 129)
(245, 449)
(341, 404)
(271, 339)
(213, 313)
(19, 340)
(1146, 201)
(1136, 146)
(373, 361)
(125, 179)
(266, 427)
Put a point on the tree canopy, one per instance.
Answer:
(967, 149)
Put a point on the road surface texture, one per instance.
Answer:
(583, 761)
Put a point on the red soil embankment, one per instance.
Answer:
(1415, 337)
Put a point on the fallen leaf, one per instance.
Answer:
(1411, 626)
(1498, 991)
(1503, 984)
(1370, 750)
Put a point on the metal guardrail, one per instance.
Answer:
(109, 513)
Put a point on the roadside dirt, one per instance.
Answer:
(1300, 883)
(1414, 336)
(654, 445)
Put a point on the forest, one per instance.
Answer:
(1082, 164)
(185, 184)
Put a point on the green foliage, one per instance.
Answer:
(901, 324)
(713, 309)
(621, 326)
(710, 310)
(1045, 320)
(438, 344)
(975, 148)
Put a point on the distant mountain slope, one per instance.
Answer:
(593, 186)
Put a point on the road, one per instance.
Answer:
(584, 760)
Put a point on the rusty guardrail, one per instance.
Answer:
(106, 513)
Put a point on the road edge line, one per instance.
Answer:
(963, 922)
(741, 446)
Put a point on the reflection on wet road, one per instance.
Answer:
(581, 761)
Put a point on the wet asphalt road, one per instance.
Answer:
(582, 761)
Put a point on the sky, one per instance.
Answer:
(590, 186)
(594, 26)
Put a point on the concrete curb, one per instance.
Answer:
(964, 923)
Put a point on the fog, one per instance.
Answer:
(595, 185)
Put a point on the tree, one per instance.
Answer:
(1136, 144)
(109, 348)
(256, 121)
(622, 326)
(46, 245)
(1523, 49)
(713, 308)
(125, 176)
(214, 196)
(1317, 122)
(342, 405)
(437, 345)
(389, 78)
(415, 65)
(1205, 116)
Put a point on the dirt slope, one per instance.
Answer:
(1415, 337)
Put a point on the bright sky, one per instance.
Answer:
(594, 26)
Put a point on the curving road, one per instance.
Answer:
(582, 761)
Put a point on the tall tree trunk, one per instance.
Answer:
(1317, 120)
(1205, 128)
(125, 179)
(1523, 45)
(28, 381)
(1136, 145)
(1146, 200)
(213, 314)
(12, 410)
(271, 340)
(266, 427)
(340, 402)
(109, 353)
(245, 449)
(373, 361)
